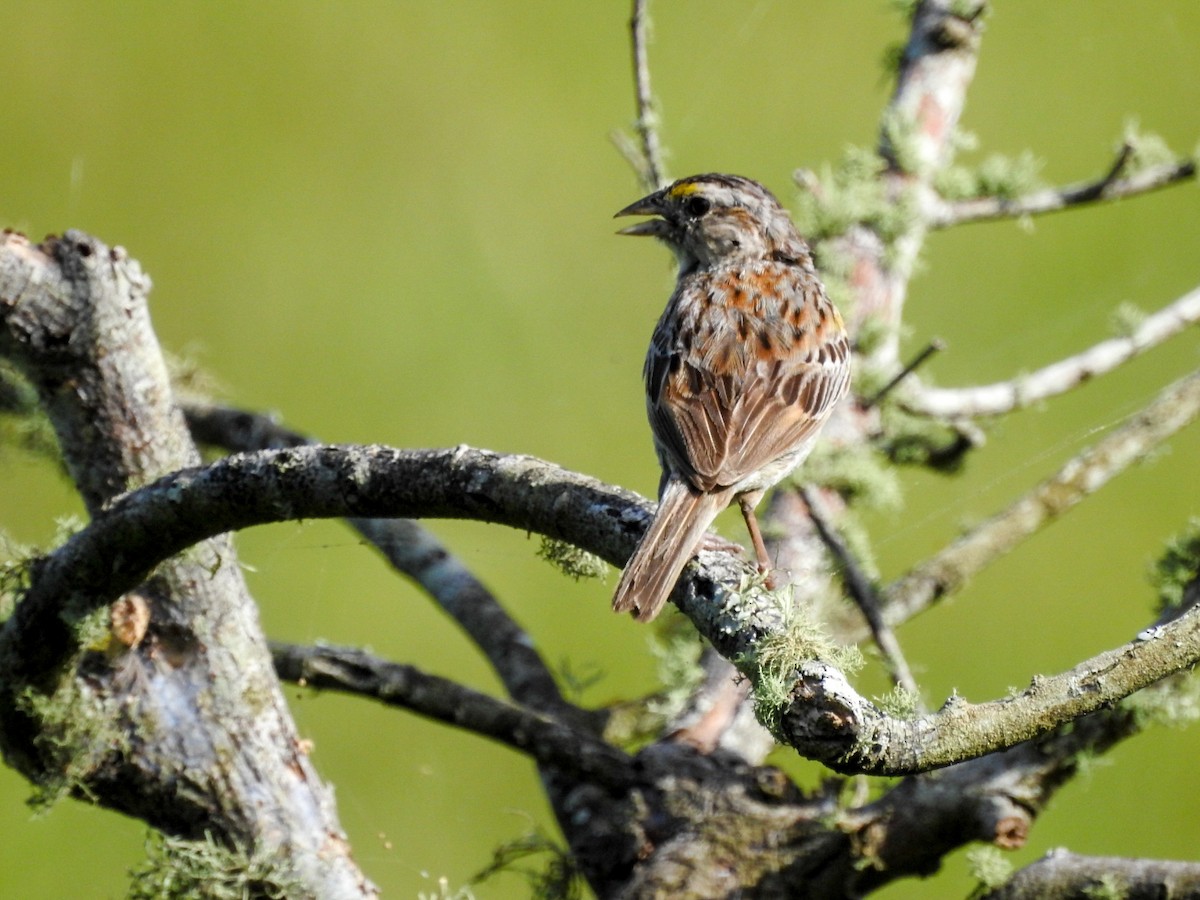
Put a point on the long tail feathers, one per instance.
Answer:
(668, 544)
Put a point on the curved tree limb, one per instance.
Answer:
(826, 719)
(414, 551)
(857, 737)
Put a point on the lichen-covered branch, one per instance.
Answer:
(916, 142)
(825, 720)
(143, 707)
(414, 551)
(830, 722)
(1061, 873)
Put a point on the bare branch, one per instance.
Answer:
(934, 346)
(864, 595)
(1108, 187)
(1057, 378)
(414, 551)
(651, 171)
(944, 573)
(550, 742)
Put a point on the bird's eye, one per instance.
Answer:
(697, 206)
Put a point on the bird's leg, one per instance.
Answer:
(747, 503)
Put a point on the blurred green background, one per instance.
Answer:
(391, 222)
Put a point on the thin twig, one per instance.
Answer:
(861, 590)
(653, 172)
(547, 740)
(1108, 187)
(1056, 378)
(934, 346)
(628, 147)
(1124, 155)
(947, 571)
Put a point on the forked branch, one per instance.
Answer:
(545, 739)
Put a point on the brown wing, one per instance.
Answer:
(748, 379)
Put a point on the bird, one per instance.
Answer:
(747, 362)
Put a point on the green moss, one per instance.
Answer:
(23, 425)
(871, 336)
(898, 703)
(177, 869)
(1174, 702)
(864, 479)
(858, 473)
(778, 656)
(996, 176)
(1107, 887)
(16, 562)
(571, 560)
(900, 138)
(190, 381)
(557, 878)
(676, 647)
(1087, 761)
(1147, 150)
(852, 193)
(75, 732)
(911, 440)
(1126, 319)
(988, 867)
(1178, 567)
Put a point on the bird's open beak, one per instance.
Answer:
(647, 206)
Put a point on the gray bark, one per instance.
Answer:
(174, 715)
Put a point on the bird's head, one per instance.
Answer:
(710, 220)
